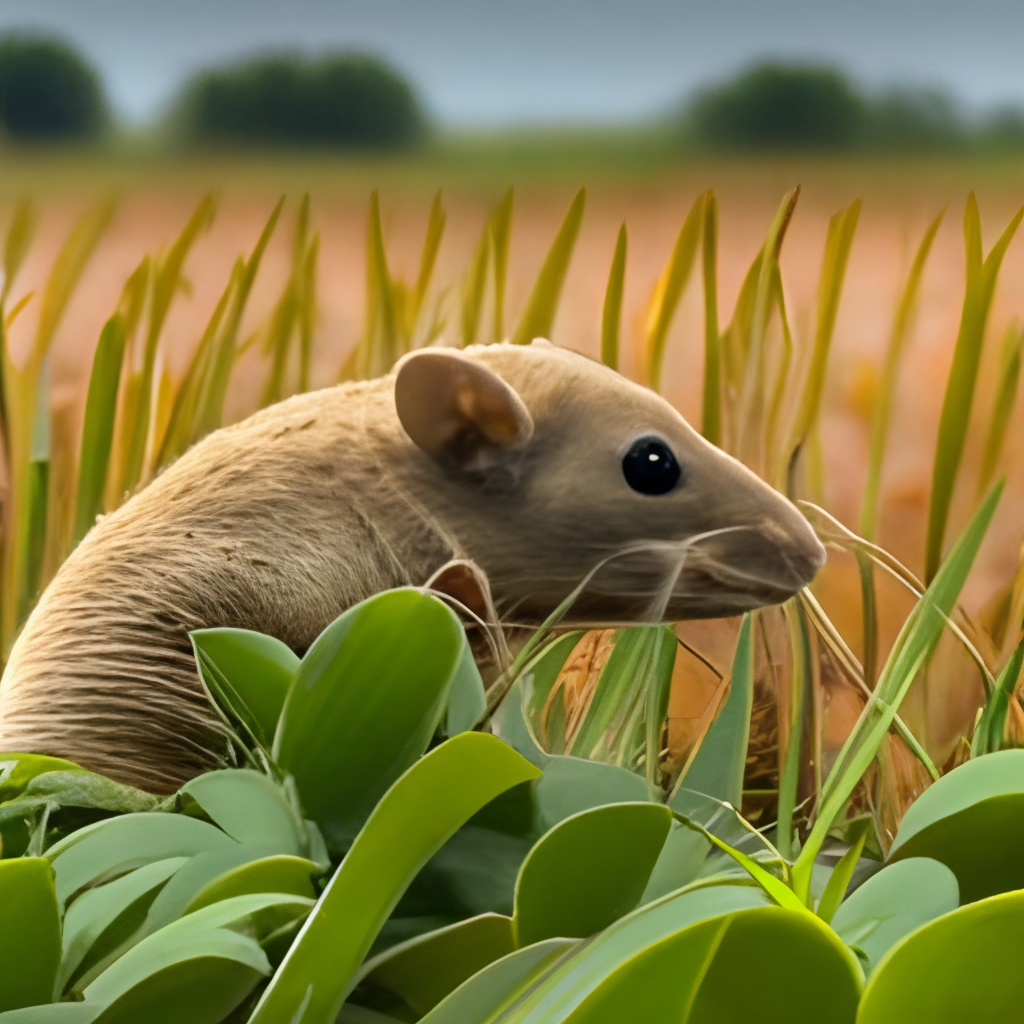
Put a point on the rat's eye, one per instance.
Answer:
(650, 467)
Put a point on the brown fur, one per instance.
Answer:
(281, 522)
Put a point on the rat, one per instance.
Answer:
(539, 465)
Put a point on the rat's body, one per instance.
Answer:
(508, 456)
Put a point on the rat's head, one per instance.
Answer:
(553, 466)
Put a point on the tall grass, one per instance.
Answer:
(763, 388)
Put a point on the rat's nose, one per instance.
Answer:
(798, 548)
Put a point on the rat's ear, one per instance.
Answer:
(459, 411)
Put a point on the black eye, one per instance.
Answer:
(650, 467)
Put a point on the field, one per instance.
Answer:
(649, 192)
(617, 828)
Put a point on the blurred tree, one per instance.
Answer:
(902, 120)
(779, 106)
(48, 91)
(340, 100)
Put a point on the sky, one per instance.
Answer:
(481, 63)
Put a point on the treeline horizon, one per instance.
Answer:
(347, 99)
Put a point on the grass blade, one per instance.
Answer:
(887, 387)
(611, 317)
(914, 646)
(474, 283)
(538, 317)
(990, 731)
(669, 290)
(1006, 396)
(711, 407)
(501, 231)
(431, 244)
(98, 426)
(956, 406)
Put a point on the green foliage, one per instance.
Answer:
(48, 91)
(347, 100)
(778, 105)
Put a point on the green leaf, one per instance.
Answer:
(588, 871)
(972, 820)
(717, 770)
(248, 807)
(468, 699)
(256, 670)
(53, 1013)
(893, 903)
(228, 930)
(990, 731)
(112, 847)
(29, 933)
(425, 970)
(98, 426)
(572, 784)
(77, 788)
(481, 999)
(963, 375)
(842, 873)
(565, 988)
(1007, 382)
(280, 874)
(199, 990)
(794, 971)
(416, 816)
(366, 700)
(18, 770)
(611, 317)
(103, 920)
(964, 966)
(538, 316)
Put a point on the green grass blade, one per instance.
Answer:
(914, 646)
(538, 317)
(428, 258)
(1007, 382)
(16, 245)
(842, 873)
(800, 684)
(711, 407)
(841, 229)
(990, 731)
(959, 397)
(474, 283)
(501, 231)
(669, 290)
(611, 317)
(98, 426)
(887, 386)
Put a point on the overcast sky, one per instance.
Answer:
(484, 62)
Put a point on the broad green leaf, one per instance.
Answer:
(229, 930)
(29, 933)
(538, 316)
(964, 966)
(249, 807)
(679, 863)
(963, 375)
(366, 700)
(611, 317)
(257, 668)
(588, 871)
(421, 810)
(53, 1013)
(77, 788)
(913, 647)
(972, 820)
(717, 770)
(669, 290)
(482, 998)
(112, 847)
(794, 971)
(467, 700)
(18, 770)
(426, 969)
(281, 874)
(103, 919)
(893, 903)
(571, 785)
(199, 990)
(565, 988)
